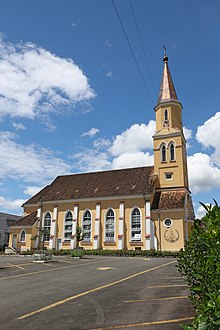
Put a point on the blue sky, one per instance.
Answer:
(72, 99)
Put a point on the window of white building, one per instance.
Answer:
(110, 226)
(23, 236)
(47, 225)
(86, 226)
(68, 226)
(136, 225)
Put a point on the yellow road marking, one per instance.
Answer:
(132, 301)
(91, 290)
(14, 265)
(105, 268)
(51, 270)
(166, 286)
(170, 298)
(11, 265)
(146, 324)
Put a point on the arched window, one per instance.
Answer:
(68, 225)
(110, 226)
(23, 236)
(172, 152)
(47, 225)
(86, 226)
(163, 153)
(136, 225)
(165, 115)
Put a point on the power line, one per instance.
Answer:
(142, 46)
(129, 44)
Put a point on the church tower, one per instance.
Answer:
(171, 209)
(169, 142)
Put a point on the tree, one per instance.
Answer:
(79, 234)
(42, 232)
(200, 264)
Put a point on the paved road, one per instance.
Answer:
(92, 293)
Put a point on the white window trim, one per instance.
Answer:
(23, 230)
(135, 207)
(91, 224)
(64, 239)
(45, 213)
(106, 212)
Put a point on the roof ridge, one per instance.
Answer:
(104, 171)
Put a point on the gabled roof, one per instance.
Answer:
(28, 220)
(170, 199)
(131, 181)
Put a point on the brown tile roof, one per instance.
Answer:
(168, 200)
(132, 181)
(28, 220)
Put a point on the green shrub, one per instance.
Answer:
(26, 253)
(200, 265)
(133, 253)
(125, 253)
(62, 252)
(77, 253)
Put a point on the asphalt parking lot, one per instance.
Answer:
(92, 293)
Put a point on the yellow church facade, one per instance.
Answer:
(137, 208)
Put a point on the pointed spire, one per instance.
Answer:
(167, 90)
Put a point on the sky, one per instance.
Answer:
(73, 98)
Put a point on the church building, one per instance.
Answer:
(136, 208)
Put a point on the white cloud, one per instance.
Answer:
(132, 159)
(9, 204)
(187, 133)
(127, 150)
(35, 82)
(208, 135)
(101, 143)
(30, 163)
(109, 74)
(18, 126)
(92, 132)
(203, 174)
(200, 212)
(90, 160)
(32, 190)
(136, 138)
